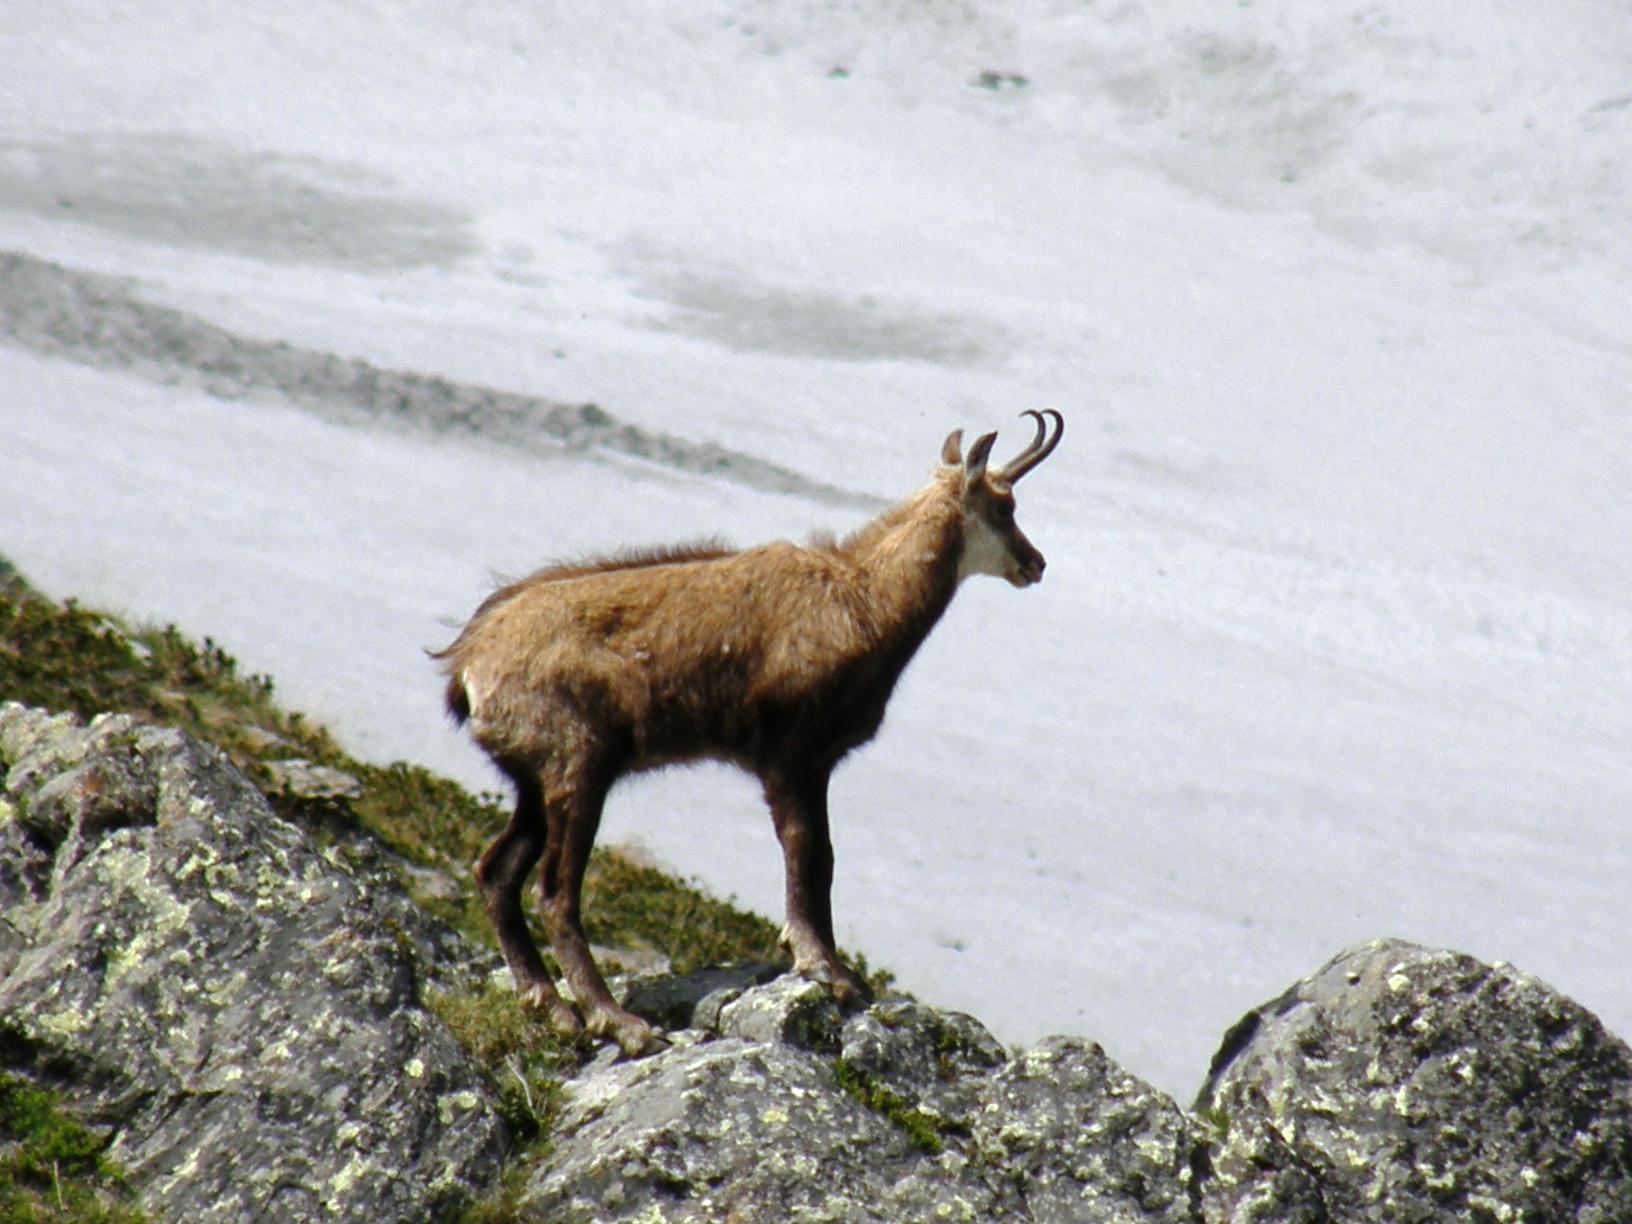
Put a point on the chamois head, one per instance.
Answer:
(993, 543)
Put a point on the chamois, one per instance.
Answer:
(778, 659)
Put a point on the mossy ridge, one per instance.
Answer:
(65, 657)
(68, 658)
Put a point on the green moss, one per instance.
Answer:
(640, 907)
(923, 1130)
(63, 657)
(503, 1205)
(52, 1168)
(1217, 1120)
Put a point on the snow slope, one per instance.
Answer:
(302, 308)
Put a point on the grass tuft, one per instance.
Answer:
(522, 1054)
(51, 1167)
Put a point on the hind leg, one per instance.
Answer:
(574, 818)
(500, 875)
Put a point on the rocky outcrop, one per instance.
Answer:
(1400, 1083)
(1397, 1084)
(779, 1108)
(240, 1008)
(237, 1002)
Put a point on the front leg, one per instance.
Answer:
(799, 808)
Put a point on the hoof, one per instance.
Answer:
(556, 1011)
(654, 1043)
(850, 990)
(847, 987)
(632, 1035)
(859, 992)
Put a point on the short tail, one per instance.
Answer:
(455, 696)
(458, 700)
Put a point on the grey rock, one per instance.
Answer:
(237, 1007)
(67, 796)
(1402, 1084)
(1064, 1134)
(1398, 1084)
(717, 1130)
(308, 782)
(25, 868)
(237, 1003)
(687, 1000)
(789, 1010)
(935, 1060)
(781, 1111)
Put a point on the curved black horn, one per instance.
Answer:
(1040, 448)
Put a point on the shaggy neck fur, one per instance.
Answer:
(907, 560)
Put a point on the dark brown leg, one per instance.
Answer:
(575, 815)
(500, 875)
(799, 809)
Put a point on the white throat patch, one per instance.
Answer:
(984, 551)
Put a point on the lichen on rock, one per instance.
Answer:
(1405, 1083)
(235, 1006)
(238, 1003)
(778, 1107)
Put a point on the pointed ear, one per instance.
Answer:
(975, 465)
(952, 448)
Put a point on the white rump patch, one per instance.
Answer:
(474, 694)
